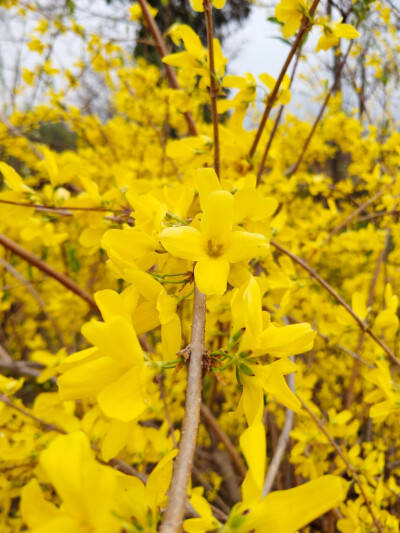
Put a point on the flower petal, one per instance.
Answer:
(183, 242)
(123, 399)
(244, 246)
(211, 275)
(86, 380)
(217, 219)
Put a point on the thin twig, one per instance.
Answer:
(115, 463)
(213, 83)
(321, 112)
(183, 464)
(162, 50)
(17, 275)
(44, 267)
(338, 298)
(276, 123)
(304, 28)
(346, 462)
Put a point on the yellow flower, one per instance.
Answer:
(197, 5)
(113, 373)
(290, 12)
(215, 245)
(94, 497)
(284, 95)
(332, 32)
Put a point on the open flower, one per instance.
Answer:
(113, 373)
(290, 12)
(333, 32)
(215, 245)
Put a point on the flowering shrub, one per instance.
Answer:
(177, 265)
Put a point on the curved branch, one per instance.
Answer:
(47, 269)
(339, 299)
(346, 462)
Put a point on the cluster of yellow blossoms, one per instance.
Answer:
(301, 276)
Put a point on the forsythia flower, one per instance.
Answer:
(94, 497)
(290, 12)
(113, 373)
(333, 32)
(215, 245)
(284, 511)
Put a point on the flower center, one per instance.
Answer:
(214, 249)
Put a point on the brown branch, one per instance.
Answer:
(213, 83)
(304, 28)
(313, 274)
(346, 462)
(14, 272)
(321, 112)
(180, 480)
(276, 123)
(44, 267)
(212, 423)
(162, 50)
(65, 210)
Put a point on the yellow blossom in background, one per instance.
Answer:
(290, 12)
(333, 32)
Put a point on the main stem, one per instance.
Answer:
(183, 465)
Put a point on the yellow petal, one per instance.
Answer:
(34, 508)
(207, 182)
(86, 380)
(254, 445)
(217, 219)
(288, 511)
(127, 352)
(111, 304)
(347, 31)
(197, 5)
(252, 399)
(159, 480)
(171, 338)
(123, 399)
(286, 341)
(244, 246)
(183, 242)
(115, 439)
(13, 179)
(77, 469)
(268, 80)
(211, 275)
